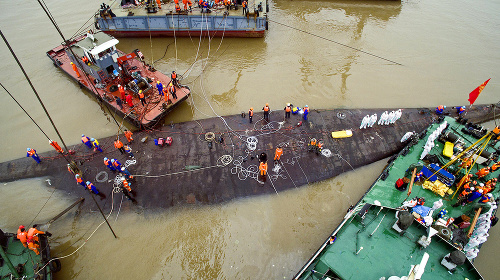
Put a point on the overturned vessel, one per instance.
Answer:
(123, 82)
(236, 18)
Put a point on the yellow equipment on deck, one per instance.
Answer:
(448, 149)
(342, 134)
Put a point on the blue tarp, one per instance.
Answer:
(443, 175)
(421, 210)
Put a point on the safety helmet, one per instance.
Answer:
(71, 63)
(113, 160)
(77, 175)
(472, 189)
(83, 135)
(173, 71)
(123, 179)
(105, 158)
(463, 107)
(88, 183)
(267, 104)
(480, 191)
(490, 195)
(92, 139)
(307, 105)
(157, 82)
(21, 227)
(444, 106)
(287, 104)
(140, 91)
(29, 149)
(482, 185)
(251, 108)
(123, 168)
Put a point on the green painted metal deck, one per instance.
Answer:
(386, 253)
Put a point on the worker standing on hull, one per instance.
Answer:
(22, 235)
(32, 153)
(128, 135)
(108, 164)
(119, 145)
(86, 141)
(306, 112)
(142, 98)
(278, 153)
(266, 110)
(159, 87)
(96, 145)
(288, 110)
(250, 114)
(56, 146)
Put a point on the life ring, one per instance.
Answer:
(55, 265)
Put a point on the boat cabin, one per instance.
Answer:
(98, 54)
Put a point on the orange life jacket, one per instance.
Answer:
(31, 152)
(74, 68)
(79, 180)
(250, 113)
(32, 233)
(126, 185)
(279, 151)
(288, 109)
(141, 95)
(263, 166)
(85, 139)
(128, 134)
(266, 108)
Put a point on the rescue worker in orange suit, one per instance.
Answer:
(278, 153)
(128, 99)
(483, 172)
(185, 2)
(34, 232)
(495, 166)
(119, 145)
(319, 147)
(122, 92)
(266, 110)
(127, 189)
(86, 141)
(22, 235)
(75, 69)
(142, 98)
(288, 110)
(32, 153)
(190, 6)
(158, 2)
(440, 109)
(263, 168)
(128, 135)
(177, 8)
(250, 114)
(56, 146)
(85, 60)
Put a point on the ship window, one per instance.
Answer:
(110, 69)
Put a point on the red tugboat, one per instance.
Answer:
(124, 82)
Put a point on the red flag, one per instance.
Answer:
(475, 93)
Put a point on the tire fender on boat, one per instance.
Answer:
(55, 265)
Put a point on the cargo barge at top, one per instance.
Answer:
(128, 18)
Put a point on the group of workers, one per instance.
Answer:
(472, 190)
(289, 109)
(440, 109)
(30, 239)
(315, 146)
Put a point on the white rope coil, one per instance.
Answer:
(326, 152)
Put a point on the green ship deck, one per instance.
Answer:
(33, 265)
(370, 248)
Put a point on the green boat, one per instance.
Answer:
(426, 215)
(19, 262)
